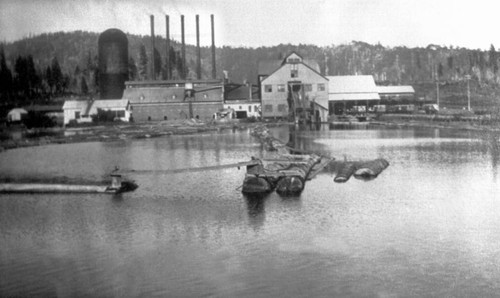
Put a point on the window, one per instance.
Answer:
(77, 115)
(268, 108)
(120, 114)
(281, 88)
(268, 88)
(240, 108)
(308, 88)
(249, 108)
(294, 72)
(321, 87)
(282, 108)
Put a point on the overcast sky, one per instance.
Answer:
(470, 24)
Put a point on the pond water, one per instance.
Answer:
(428, 226)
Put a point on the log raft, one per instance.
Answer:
(288, 174)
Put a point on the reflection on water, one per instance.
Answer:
(428, 226)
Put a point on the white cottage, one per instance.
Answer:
(82, 110)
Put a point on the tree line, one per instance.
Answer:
(51, 65)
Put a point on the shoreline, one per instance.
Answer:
(115, 132)
(131, 131)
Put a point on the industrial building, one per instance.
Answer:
(293, 88)
(351, 94)
(243, 99)
(400, 94)
(83, 111)
(174, 99)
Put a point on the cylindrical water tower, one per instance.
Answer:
(113, 63)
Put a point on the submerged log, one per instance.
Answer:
(345, 172)
(371, 168)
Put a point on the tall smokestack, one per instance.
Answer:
(153, 71)
(167, 53)
(183, 72)
(198, 53)
(213, 48)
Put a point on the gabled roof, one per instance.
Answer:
(242, 92)
(312, 64)
(292, 54)
(267, 67)
(352, 88)
(395, 89)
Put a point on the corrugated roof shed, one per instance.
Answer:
(352, 84)
(352, 88)
(395, 89)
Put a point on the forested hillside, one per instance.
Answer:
(50, 65)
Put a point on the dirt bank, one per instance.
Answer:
(110, 132)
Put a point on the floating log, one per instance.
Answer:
(288, 174)
(290, 185)
(117, 186)
(345, 172)
(371, 168)
(253, 184)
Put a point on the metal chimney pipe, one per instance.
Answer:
(167, 52)
(213, 48)
(198, 53)
(153, 71)
(183, 72)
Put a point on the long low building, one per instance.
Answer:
(174, 99)
(83, 111)
(396, 93)
(346, 93)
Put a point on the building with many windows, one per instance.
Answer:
(174, 99)
(293, 88)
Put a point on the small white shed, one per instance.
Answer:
(16, 115)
